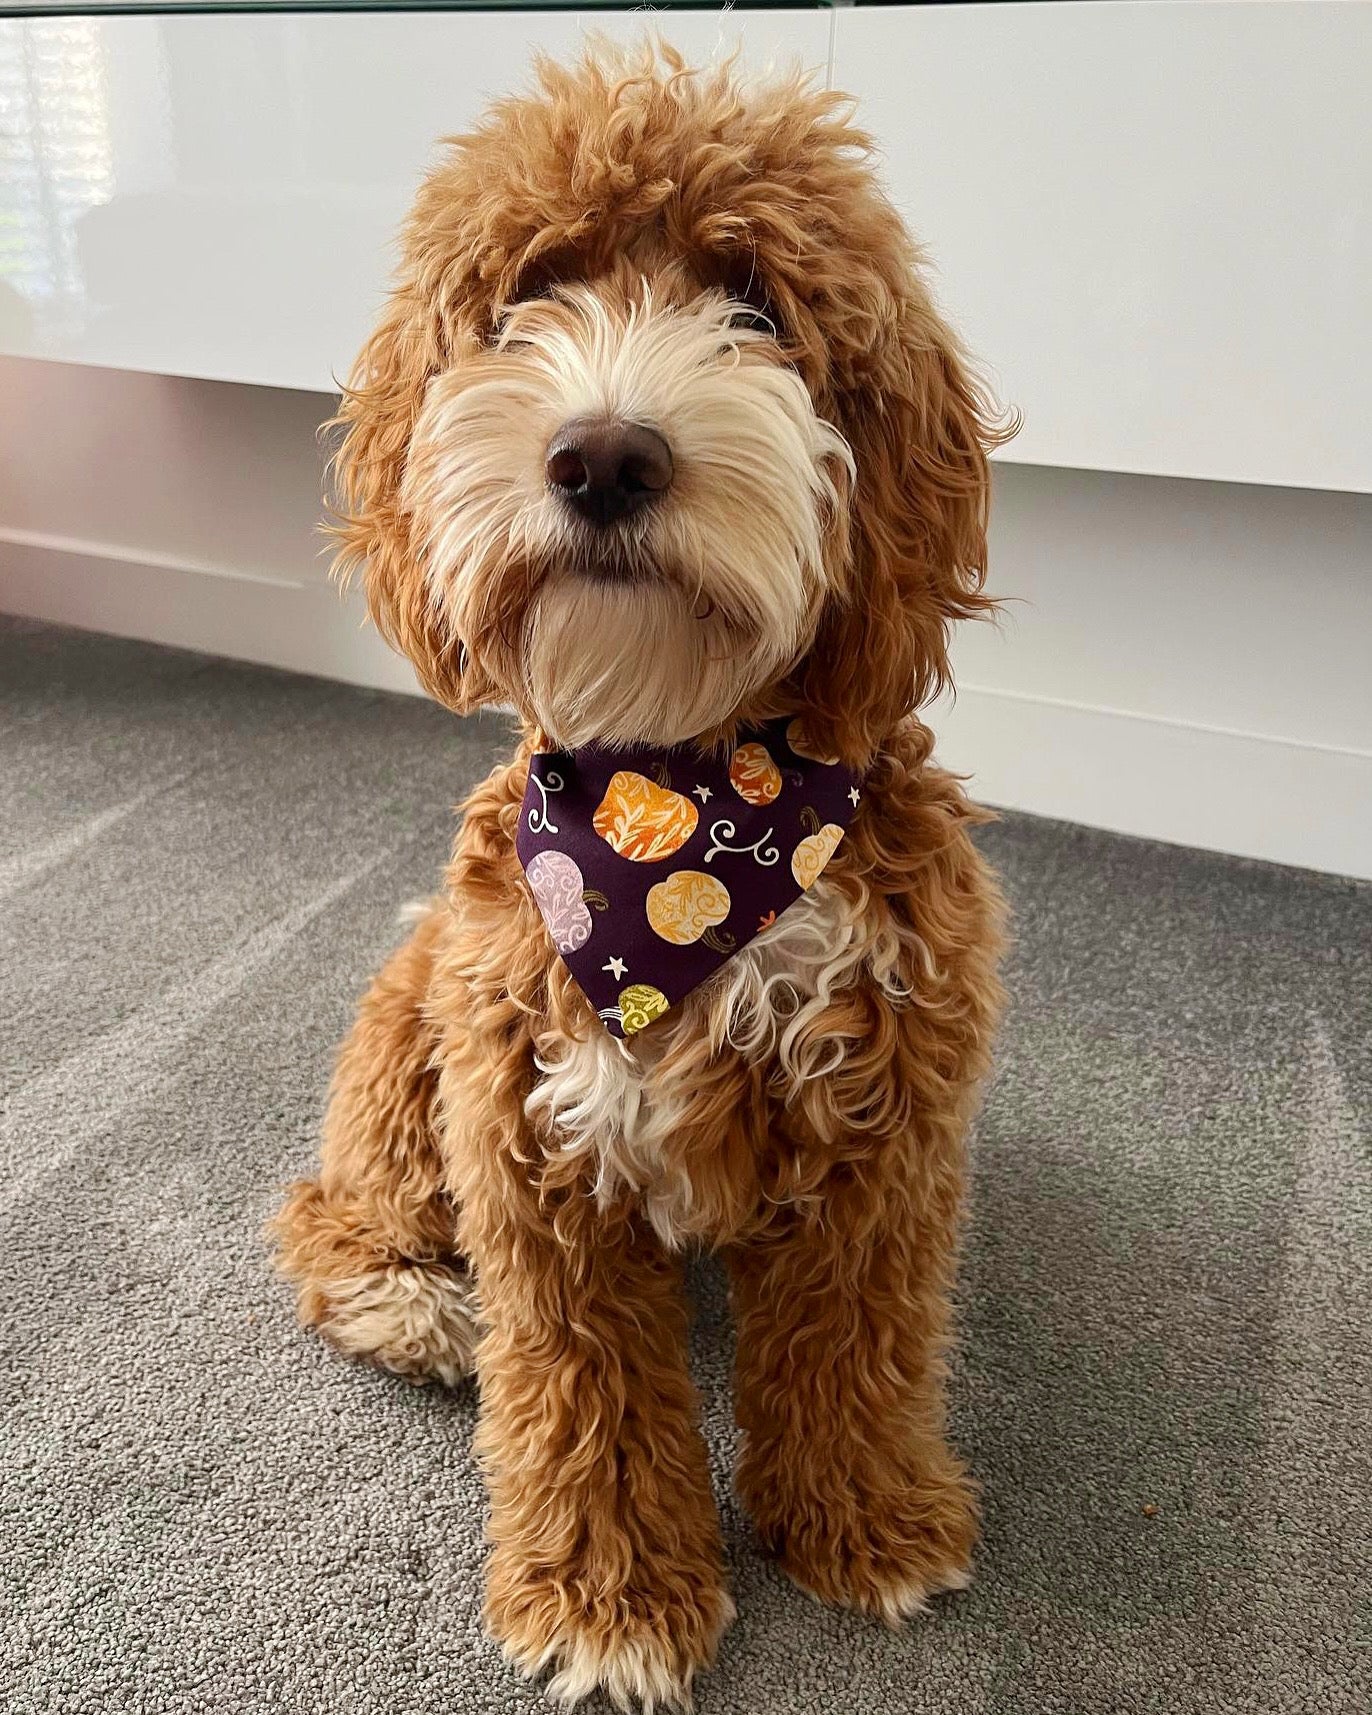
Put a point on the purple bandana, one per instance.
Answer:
(653, 867)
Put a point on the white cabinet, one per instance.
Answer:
(1150, 218)
(1153, 219)
(216, 195)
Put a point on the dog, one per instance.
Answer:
(662, 441)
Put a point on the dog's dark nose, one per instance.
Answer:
(607, 470)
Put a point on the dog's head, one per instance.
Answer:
(661, 429)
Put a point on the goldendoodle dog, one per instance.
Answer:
(661, 441)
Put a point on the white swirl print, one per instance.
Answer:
(723, 831)
(538, 813)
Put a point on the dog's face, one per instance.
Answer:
(661, 430)
(621, 504)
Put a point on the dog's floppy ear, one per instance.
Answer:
(379, 409)
(920, 427)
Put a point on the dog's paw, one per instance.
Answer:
(886, 1556)
(419, 1321)
(642, 1653)
(894, 1594)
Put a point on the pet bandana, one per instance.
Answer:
(653, 867)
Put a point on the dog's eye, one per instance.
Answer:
(495, 335)
(755, 318)
(541, 275)
(533, 287)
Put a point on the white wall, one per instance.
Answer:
(1186, 660)
(177, 510)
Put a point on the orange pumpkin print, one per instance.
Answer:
(685, 906)
(643, 821)
(812, 854)
(753, 774)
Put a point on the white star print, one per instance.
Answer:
(853, 796)
(703, 793)
(616, 967)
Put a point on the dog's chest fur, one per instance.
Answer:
(635, 1108)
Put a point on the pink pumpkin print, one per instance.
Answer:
(558, 890)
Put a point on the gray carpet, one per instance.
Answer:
(1166, 1291)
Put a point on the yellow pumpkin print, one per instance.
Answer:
(800, 741)
(639, 1005)
(643, 821)
(812, 854)
(687, 905)
(753, 774)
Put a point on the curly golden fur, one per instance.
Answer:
(505, 1187)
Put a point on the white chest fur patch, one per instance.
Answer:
(622, 1104)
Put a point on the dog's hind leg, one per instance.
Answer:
(370, 1244)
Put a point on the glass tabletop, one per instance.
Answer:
(91, 8)
(59, 8)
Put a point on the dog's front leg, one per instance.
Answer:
(606, 1560)
(842, 1306)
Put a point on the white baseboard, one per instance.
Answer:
(1284, 801)
(304, 626)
